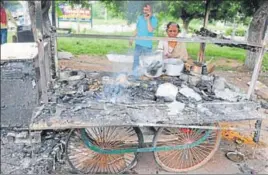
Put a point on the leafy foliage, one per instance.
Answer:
(185, 10)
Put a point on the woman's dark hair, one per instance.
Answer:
(173, 23)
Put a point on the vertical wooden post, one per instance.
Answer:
(53, 13)
(257, 67)
(253, 81)
(201, 53)
(255, 73)
(41, 54)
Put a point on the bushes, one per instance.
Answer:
(238, 32)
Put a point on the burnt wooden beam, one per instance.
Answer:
(41, 53)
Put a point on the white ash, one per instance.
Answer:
(175, 107)
(229, 95)
(167, 90)
(190, 93)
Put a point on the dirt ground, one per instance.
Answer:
(237, 75)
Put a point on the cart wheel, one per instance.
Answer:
(84, 160)
(186, 159)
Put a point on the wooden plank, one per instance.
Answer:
(47, 61)
(38, 79)
(42, 68)
(60, 124)
(40, 43)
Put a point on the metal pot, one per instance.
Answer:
(173, 67)
(152, 64)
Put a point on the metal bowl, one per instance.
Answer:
(235, 156)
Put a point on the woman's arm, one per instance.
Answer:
(184, 54)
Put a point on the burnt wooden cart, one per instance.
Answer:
(106, 137)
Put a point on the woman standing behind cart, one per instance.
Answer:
(173, 49)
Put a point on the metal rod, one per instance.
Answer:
(180, 39)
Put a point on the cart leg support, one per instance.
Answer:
(257, 132)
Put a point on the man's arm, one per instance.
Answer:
(149, 26)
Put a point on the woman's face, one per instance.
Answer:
(173, 31)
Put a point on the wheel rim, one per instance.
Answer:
(84, 160)
(185, 159)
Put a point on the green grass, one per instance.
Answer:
(92, 46)
(102, 47)
(214, 51)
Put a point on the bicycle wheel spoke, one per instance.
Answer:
(188, 158)
(84, 160)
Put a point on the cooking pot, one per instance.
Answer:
(152, 64)
(173, 67)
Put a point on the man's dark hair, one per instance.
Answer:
(146, 4)
(173, 23)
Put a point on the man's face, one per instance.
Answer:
(146, 10)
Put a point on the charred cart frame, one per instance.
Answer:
(113, 147)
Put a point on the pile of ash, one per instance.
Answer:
(45, 157)
(79, 86)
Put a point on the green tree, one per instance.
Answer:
(185, 10)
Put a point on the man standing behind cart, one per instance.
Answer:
(146, 24)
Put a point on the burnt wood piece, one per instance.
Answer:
(206, 33)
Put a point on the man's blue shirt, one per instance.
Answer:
(142, 30)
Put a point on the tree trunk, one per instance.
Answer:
(256, 32)
(186, 25)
